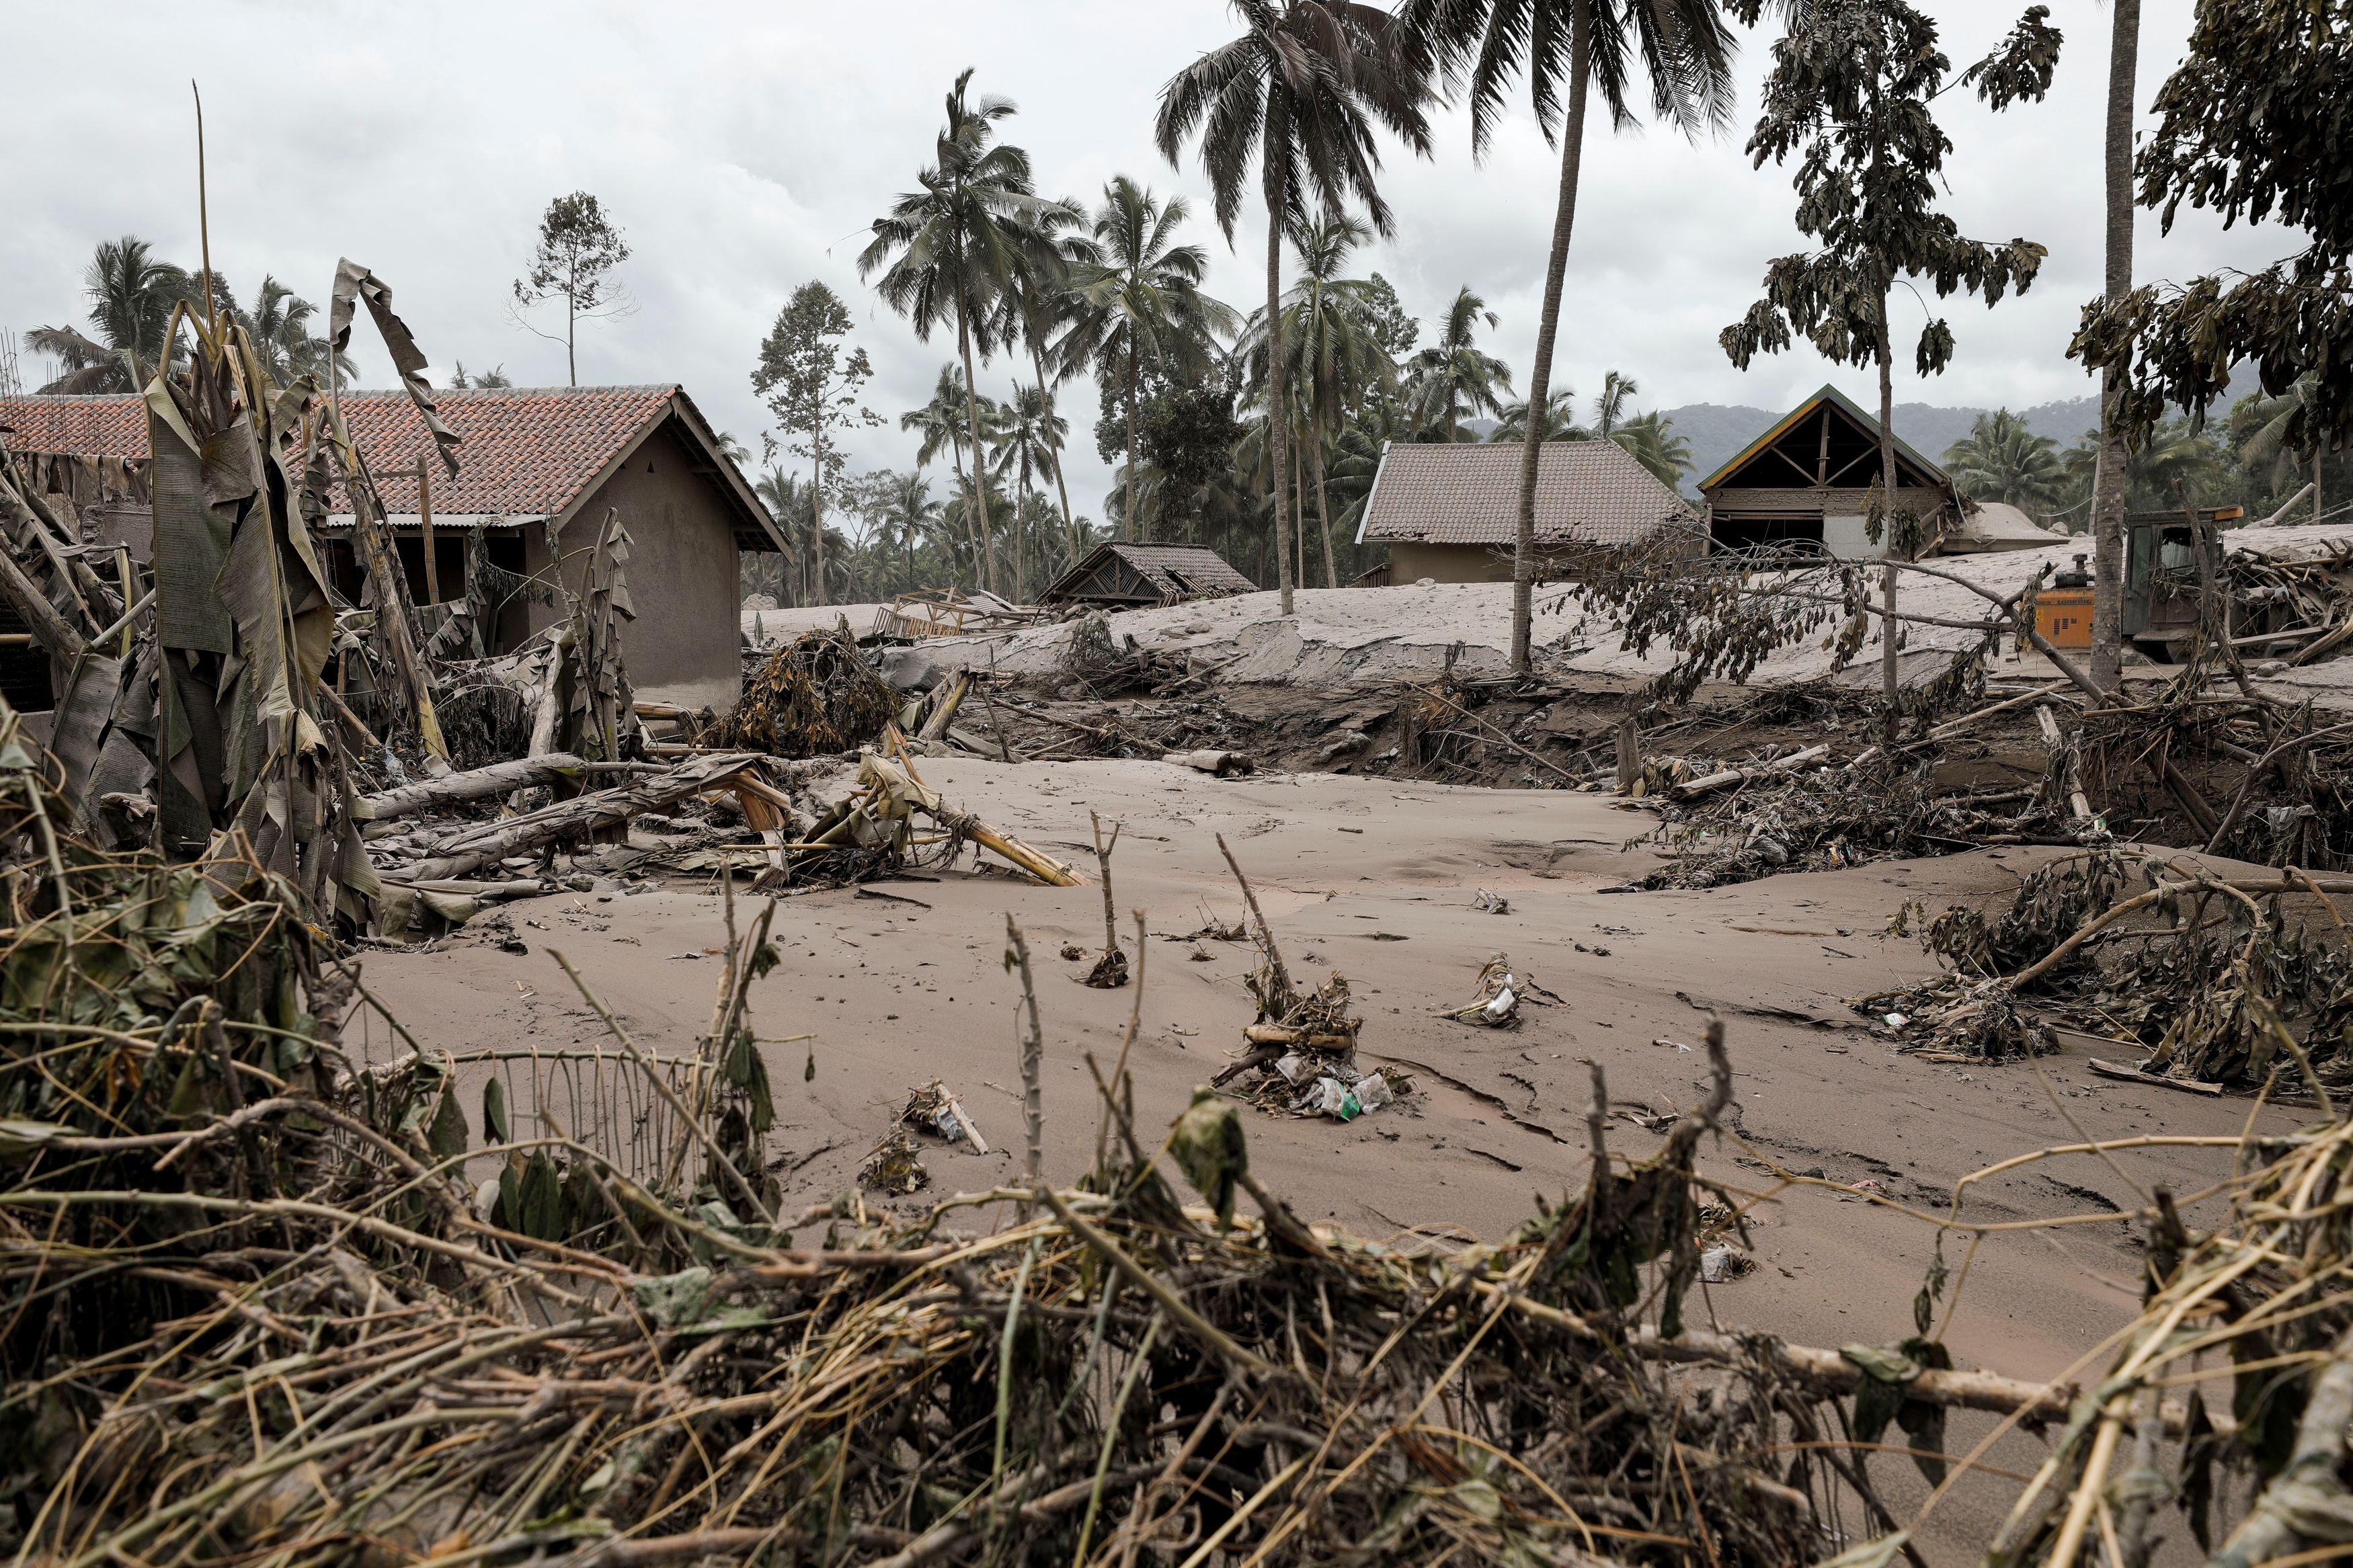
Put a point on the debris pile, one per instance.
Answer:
(1501, 991)
(932, 1109)
(895, 1165)
(272, 1290)
(816, 696)
(1302, 1050)
(1887, 807)
(2218, 978)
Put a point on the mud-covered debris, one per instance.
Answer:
(895, 1165)
(1501, 992)
(2221, 979)
(1222, 764)
(932, 1109)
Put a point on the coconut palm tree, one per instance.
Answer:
(1041, 310)
(1559, 421)
(2002, 460)
(1028, 435)
(131, 292)
(2110, 484)
(1453, 378)
(1355, 459)
(792, 505)
(496, 376)
(1651, 440)
(279, 323)
(2269, 447)
(1139, 303)
(1330, 336)
(949, 421)
(1611, 408)
(1581, 46)
(1301, 92)
(948, 251)
(909, 518)
(2173, 454)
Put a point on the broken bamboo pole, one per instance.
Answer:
(944, 711)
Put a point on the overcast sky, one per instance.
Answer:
(744, 148)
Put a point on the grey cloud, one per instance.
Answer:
(744, 146)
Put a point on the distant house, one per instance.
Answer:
(1123, 576)
(1805, 480)
(530, 457)
(1450, 511)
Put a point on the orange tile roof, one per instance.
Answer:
(527, 450)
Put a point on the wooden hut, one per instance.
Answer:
(1123, 576)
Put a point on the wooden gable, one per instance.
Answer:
(1824, 443)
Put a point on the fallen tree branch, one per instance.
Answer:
(481, 784)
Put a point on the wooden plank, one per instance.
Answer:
(2133, 1075)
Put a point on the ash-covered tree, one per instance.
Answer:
(2110, 479)
(1568, 50)
(1851, 95)
(1188, 433)
(1140, 306)
(579, 246)
(2254, 124)
(812, 386)
(1300, 94)
(131, 292)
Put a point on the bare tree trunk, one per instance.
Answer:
(2108, 470)
(964, 501)
(980, 480)
(1572, 145)
(1299, 510)
(1054, 453)
(817, 511)
(1127, 524)
(1277, 383)
(1887, 627)
(1021, 533)
(1324, 517)
(571, 355)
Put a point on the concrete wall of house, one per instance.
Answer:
(1412, 560)
(683, 645)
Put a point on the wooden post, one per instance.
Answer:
(1630, 755)
(424, 528)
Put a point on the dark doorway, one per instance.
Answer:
(1752, 532)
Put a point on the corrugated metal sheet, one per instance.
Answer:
(1588, 492)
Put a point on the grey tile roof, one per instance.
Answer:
(1588, 492)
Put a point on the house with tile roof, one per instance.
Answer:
(1806, 481)
(1449, 511)
(538, 466)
